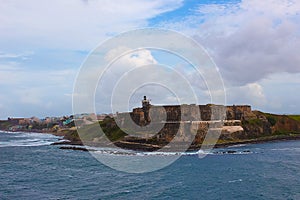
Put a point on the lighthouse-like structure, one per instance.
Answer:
(146, 106)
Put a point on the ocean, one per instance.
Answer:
(31, 168)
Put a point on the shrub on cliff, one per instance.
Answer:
(272, 120)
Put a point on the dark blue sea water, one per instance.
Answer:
(30, 168)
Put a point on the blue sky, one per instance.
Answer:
(254, 43)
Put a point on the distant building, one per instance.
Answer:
(15, 121)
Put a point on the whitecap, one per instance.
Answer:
(237, 145)
(234, 181)
(27, 139)
(287, 149)
(124, 152)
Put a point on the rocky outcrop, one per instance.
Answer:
(183, 124)
(241, 125)
(252, 127)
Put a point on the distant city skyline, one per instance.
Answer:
(254, 43)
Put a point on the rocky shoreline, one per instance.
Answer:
(251, 127)
(66, 144)
(152, 147)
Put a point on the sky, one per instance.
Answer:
(255, 45)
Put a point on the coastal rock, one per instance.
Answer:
(75, 148)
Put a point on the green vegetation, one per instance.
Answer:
(295, 117)
(109, 128)
(38, 126)
(89, 132)
(253, 122)
(286, 132)
(71, 135)
(281, 132)
(272, 120)
(4, 125)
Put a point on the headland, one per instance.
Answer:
(152, 127)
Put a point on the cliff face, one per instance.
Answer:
(281, 124)
(241, 123)
(264, 126)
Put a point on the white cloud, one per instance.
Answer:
(136, 74)
(12, 74)
(281, 92)
(255, 45)
(23, 55)
(248, 40)
(251, 94)
(53, 30)
(278, 8)
(121, 68)
(74, 24)
(31, 92)
(30, 95)
(258, 39)
(131, 58)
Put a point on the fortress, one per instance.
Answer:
(162, 123)
(179, 113)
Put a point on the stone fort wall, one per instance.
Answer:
(176, 113)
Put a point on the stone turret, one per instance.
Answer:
(146, 106)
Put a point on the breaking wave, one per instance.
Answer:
(14, 139)
(124, 152)
(11, 139)
(294, 149)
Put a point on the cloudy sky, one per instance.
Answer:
(254, 43)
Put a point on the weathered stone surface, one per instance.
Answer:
(184, 123)
(177, 113)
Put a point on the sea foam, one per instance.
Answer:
(11, 139)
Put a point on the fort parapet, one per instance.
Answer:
(189, 121)
(180, 113)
